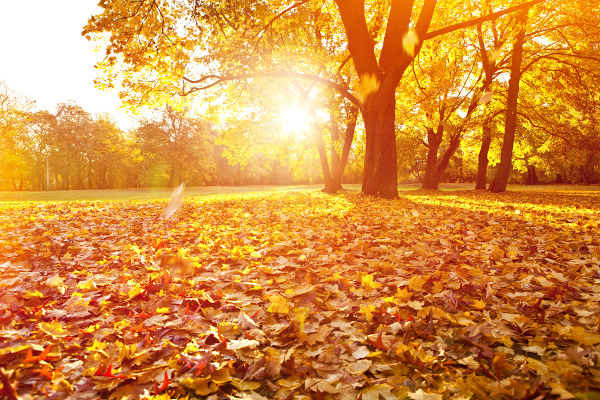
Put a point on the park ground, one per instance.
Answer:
(268, 292)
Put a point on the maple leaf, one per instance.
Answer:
(367, 282)
(278, 304)
(55, 329)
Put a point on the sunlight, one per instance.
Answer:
(295, 119)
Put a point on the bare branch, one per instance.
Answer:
(214, 80)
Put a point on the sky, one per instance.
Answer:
(44, 57)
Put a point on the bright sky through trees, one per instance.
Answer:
(45, 57)
(295, 120)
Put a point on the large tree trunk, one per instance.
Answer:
(380, 170)
(500, 181)
(482, 160)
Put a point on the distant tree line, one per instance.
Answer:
(72, 149)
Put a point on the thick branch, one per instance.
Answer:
(397, 27)
(477, 21)
(360, 43)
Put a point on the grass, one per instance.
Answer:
(196, 191)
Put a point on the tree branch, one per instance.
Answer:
(477, 21)
(214, 80)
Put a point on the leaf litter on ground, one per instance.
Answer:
(303, 295)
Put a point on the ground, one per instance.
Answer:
(458, 294)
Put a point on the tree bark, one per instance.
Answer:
(380, 176)
(482, 160)
(318, 137)
(338, 172)
(500, 181)
(434, 139)
(531, 175)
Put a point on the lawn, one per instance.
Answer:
(196, 191)
(298, 294)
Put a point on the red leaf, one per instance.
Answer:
(108, 373)
(162, 387)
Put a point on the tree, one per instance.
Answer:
(179, 146)
(14, 121)
(156, 51)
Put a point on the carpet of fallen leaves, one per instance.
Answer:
(303, 296)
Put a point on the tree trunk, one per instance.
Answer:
(500, 181)
(454, 143)
(335, 157)
(338, 172)
(381, 167)
(482, 160)
(430, 180)
(531, 175)
(318, 137)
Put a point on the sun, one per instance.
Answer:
(295, 119)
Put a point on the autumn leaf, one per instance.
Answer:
(368, 283)
(278, 304)
(175, 202)
(410, 40)
(422, 395)
(55, 329)
(369, 84)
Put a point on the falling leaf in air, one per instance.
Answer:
(410, 40)
(369, 83)
(175, 202)
(486, 98)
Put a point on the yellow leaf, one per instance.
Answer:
(245, 385)
(478, 304)
(421, 395)
(373, 392)
(162, 310)
(369, 83)
(416, 283)
(87, 285)
(368, 283)
(53, 328)
(278, 304)
(358, 367)
(124, 323)
(96, 346)
(54, 281)
(33, 295)
(409, 42)
(134, 291)
(300, 316)
(402, 294)
(368, 310)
